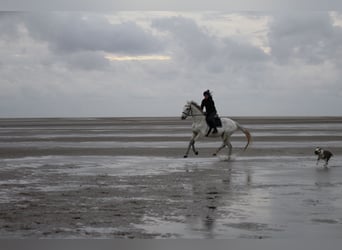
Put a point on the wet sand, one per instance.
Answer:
(119, 178)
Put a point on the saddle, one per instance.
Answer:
(217, 121)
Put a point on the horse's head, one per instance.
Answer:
(191, 109)
(186, 111)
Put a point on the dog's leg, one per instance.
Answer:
(326, 162)
(328, 158)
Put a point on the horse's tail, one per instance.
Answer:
(246, 132)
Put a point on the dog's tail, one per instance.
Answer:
(247, 134)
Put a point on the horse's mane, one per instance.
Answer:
(196, 105)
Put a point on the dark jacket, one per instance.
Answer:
(209, 106)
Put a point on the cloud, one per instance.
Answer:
(80, 40)
(137, 58)
(68, 33)
(86, 60)
(308, 36)
(69, 63)
(190, 37)
(198, 46)
(8, 25)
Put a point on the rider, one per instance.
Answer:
(210, 111)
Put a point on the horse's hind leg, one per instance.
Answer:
(219, 149)
(225, 144)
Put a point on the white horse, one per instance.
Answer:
(200, 128)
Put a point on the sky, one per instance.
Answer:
(150, 63)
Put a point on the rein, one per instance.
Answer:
(190, 113)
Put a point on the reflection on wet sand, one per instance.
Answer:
(126, 178)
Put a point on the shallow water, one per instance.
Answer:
(111, 178)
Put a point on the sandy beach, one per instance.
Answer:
(126, 178)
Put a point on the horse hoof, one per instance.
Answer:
(214, 154)
(196, 153)
(185, 156)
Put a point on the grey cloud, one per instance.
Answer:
(208, 60)
(309, 36)
(69, 32)
(175, 5)
(244, 52)
(189, 36)
(76, 39)
(201, 47)
(52, 69)
(9, 25)
(87, 60)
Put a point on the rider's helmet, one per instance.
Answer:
(207, 92)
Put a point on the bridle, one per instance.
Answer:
(189, 113)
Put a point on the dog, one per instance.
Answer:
(323, 155)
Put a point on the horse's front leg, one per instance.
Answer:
(192, 145)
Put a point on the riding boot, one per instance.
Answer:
(208, 132)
